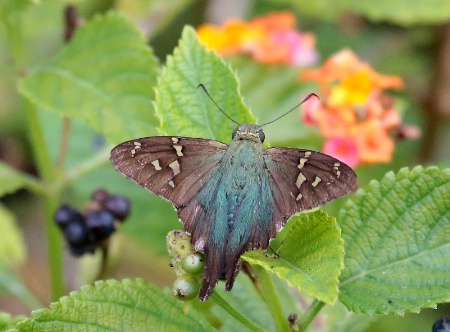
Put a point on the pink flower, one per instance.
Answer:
(344, 149)
(310, 111)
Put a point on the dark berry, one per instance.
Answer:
(441, 325)
(76, 233)
(193, 263)
(119, 206)
(100, 196)
(67, 214)
(185, 288)
(100, 224)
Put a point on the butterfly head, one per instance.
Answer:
(249, 132)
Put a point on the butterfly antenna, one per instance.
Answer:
(304, 100)
(209, 96)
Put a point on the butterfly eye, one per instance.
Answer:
(261, 135)
(234, 133)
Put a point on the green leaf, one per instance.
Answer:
(11, 180)
(245, 299)
(397, 244)
(185, 110)
(339, 319)
(8, 322)
(404, 12)
(104, 77)
(130, 305)
(12, 247)
(310, 257)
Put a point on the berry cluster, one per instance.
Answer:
(188, 264)
(85, 232)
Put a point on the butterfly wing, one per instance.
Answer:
(303, 179)
(175, 168)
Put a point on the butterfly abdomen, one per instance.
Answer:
(239, 201)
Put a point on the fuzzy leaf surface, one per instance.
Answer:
(397, 243)
(130, 305)
(104, 77)
(184, 109)
(310, 258)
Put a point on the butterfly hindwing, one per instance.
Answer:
(304, 179)
(175, 168)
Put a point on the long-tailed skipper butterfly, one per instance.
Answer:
(232, 198)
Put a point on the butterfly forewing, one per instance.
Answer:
(304, 179)
(175, 168)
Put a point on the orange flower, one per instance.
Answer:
(373, 142)
(270, 39)
(346, 67)
(354, 107)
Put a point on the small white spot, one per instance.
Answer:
(336, 168)
(300, 179)
(171, 184)
(299, 197)
(307, 154)
(155, 163)
(174, 140)
(316, 181)
(175, 166)
(137, 146)
(302, 162)
(178, 148)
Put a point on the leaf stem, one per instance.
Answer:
(88, 165)
(270, 296)
(51, 180)
(309, 314)
(16, 287)
(64, 146)
(233, 312)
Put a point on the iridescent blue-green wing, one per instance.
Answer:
(175, 168)
(304, 179)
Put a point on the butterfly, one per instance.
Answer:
(232, 198)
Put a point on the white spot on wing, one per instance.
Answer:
(302, 162)
(137, 146)
(175, 166)
(178, 149)
(174, 140)
(155, 164)
(316, 181)
(171, 184)
(336, 168)
(299, 197)
(300, 179)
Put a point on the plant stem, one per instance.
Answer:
(64, 146)
(271, 298)
(233, 312)
(102, 157)
(51, 180)
(309, 314)
(15, 286)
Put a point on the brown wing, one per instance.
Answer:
(304, 179)
(175, 168)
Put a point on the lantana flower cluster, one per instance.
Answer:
(271, 39)
(355, 115)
